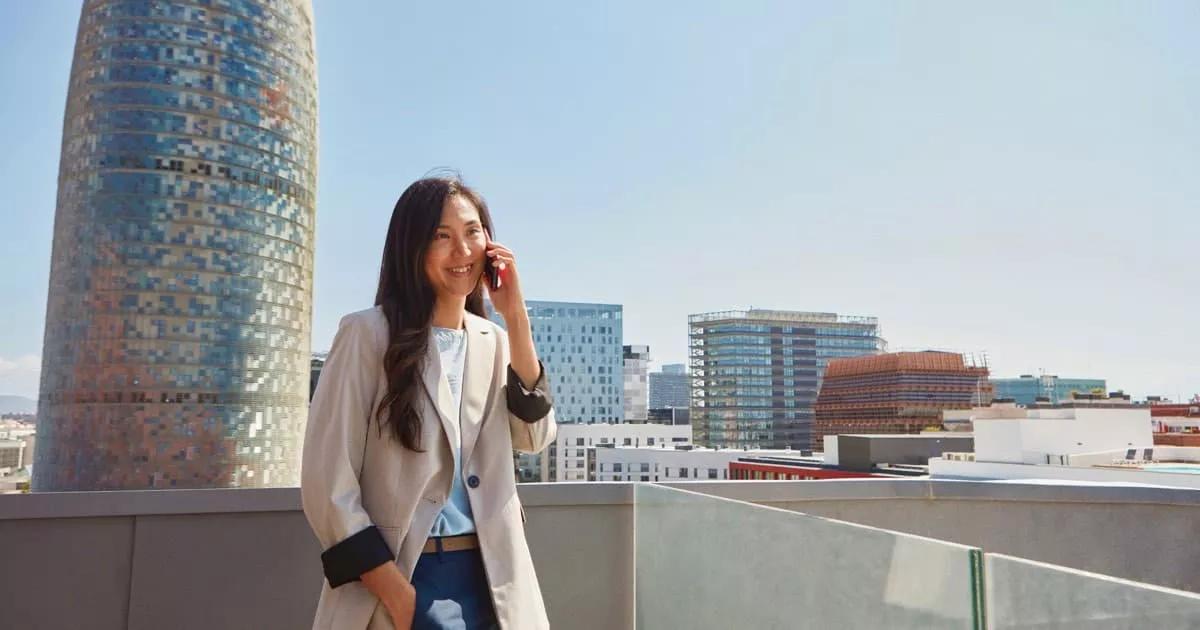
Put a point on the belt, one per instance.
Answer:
(451, 543)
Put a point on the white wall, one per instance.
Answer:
(1060, 432)
(831, 449)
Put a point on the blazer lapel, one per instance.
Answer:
(477, 380)
(438, 389)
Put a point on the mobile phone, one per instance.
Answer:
(493, 275)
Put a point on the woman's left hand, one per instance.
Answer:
(507, 300)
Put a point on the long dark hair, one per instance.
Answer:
(407, 298)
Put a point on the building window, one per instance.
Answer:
(712, 473)
(683, 473)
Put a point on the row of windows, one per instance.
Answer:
(544, 312)
(238, 17)
(239, 47)
(138, 119)
(128, 158)
(741, 327)
(302, 111)
(100, 97)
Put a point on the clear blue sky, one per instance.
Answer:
(1021, 178)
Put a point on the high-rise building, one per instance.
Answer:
(900, 392)
(755, 374)
(579, 344)
(670, 388)
(637, 363)
(1028, 389)
(176, 349)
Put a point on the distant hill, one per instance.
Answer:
(17, 404)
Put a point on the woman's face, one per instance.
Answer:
(454, 260)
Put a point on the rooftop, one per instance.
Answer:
(849, 554)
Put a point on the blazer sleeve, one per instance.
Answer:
(530, 411)
(334, 445)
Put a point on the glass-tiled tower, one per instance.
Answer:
(176, 349)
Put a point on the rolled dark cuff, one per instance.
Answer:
(347, 560)
(529, 405)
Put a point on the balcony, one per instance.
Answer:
(903, 553)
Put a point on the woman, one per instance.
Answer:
(408, 474)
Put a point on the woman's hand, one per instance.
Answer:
(395, 593)
(507, 300)
(510, 303)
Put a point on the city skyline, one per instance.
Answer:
(1015, 180)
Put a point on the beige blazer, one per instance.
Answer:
(359, 486)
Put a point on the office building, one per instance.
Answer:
(670, 388)
(1027, 389)
(579, 344)
(178, 319)
(900, 392)
(755, 374)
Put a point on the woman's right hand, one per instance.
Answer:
(395, 593)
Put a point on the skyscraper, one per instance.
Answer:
(176, 350)
(755, 374)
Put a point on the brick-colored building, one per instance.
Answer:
(1176, 424)
(899, 392)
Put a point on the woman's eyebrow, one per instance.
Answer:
(470, 223)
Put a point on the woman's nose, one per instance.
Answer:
(464, 247)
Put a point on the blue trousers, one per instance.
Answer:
(452, 592)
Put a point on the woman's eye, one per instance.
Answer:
(475, 230)
(440, 236)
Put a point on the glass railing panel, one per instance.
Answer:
(710, 562)
(1027, 594)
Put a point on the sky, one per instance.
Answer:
(1014, 178)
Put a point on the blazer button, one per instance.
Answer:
(473, 481)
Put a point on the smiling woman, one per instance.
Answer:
(419, 515)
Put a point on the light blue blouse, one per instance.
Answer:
(455, 518)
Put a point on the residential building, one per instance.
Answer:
(900, 392)
(1027, 389)
(12, 456)
(661, 462)
(670, 388)
(178, 317)
(755, 374)
(1176, 424)
(637, 362)
(779, 467)
(579, 344)
(567, 458)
